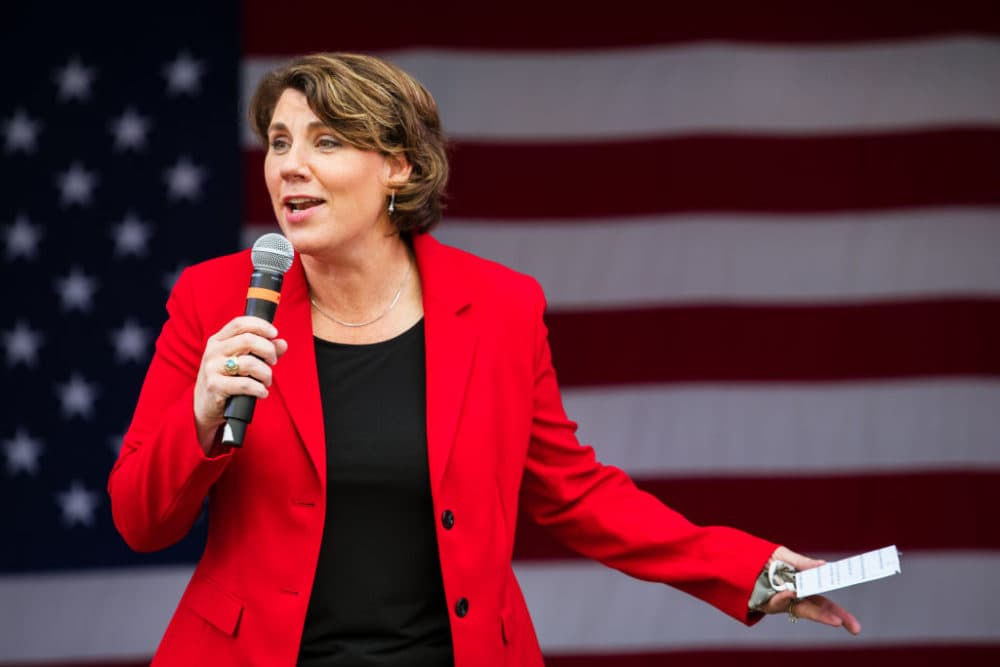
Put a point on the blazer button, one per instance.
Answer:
(447, 519)
(461, 607)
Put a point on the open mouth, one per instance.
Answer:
(302, 204)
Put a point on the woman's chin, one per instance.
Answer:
(310, 242)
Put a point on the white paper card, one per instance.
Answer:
(848, 572)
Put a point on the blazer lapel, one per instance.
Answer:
(295, 376)
(451, 344)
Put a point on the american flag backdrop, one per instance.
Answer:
(769, 234)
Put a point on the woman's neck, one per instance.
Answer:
(359, 283)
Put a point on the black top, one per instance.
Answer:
(378, 597)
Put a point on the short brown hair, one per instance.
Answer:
(372, 105)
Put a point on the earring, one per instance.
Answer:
(392, 203)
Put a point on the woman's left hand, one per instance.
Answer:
(815, 607)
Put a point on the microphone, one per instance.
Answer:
(272, 256)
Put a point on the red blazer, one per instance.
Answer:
(498, 441)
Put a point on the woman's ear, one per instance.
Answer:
(397, 171)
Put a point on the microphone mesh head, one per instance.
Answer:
(272, 252)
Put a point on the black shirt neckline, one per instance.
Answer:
(388, 342)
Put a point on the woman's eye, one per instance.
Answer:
(278, 144)
(327, 142)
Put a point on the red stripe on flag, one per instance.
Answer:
(570, 181)
(778, 343)
(838, 513)
(523, 24)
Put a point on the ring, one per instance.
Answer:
(791, 611)
(231, 366)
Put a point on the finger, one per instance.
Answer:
(248, 366)
(796, 560)
(280, 346)
(822, 610)
(241, 386)
(250, 343)
(833, 610)
(246, 324)
(210, 399)
(810, 610)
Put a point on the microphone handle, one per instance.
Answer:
(262, 302)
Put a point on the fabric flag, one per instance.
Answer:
(769, 235)
(119, 166)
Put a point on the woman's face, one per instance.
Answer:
(326, 194)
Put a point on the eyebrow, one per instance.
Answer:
(281, 127)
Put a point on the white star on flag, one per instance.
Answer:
(130, 130)
(22, 238)
(130, 342)
(76, 290)
(78, 504)
(22, 453)
(77, 397)
(183, 74)
(184, 180)
(74, 80)
(22, 344)
(20, 133)
(131, 236)
(76, 185)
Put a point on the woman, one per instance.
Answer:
(410, 411)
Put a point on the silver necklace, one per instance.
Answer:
(385, 312)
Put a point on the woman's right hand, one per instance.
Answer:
(254, 344)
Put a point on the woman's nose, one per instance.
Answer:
(294, 164)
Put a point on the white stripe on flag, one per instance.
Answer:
(584, 607)
(706, 87)
(96, 614)
(577, 607)
(763, 258)
(872, 426)
(843, 257)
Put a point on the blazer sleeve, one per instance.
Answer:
(162, 476)
(598, 511)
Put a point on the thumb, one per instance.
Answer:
(796, 560)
